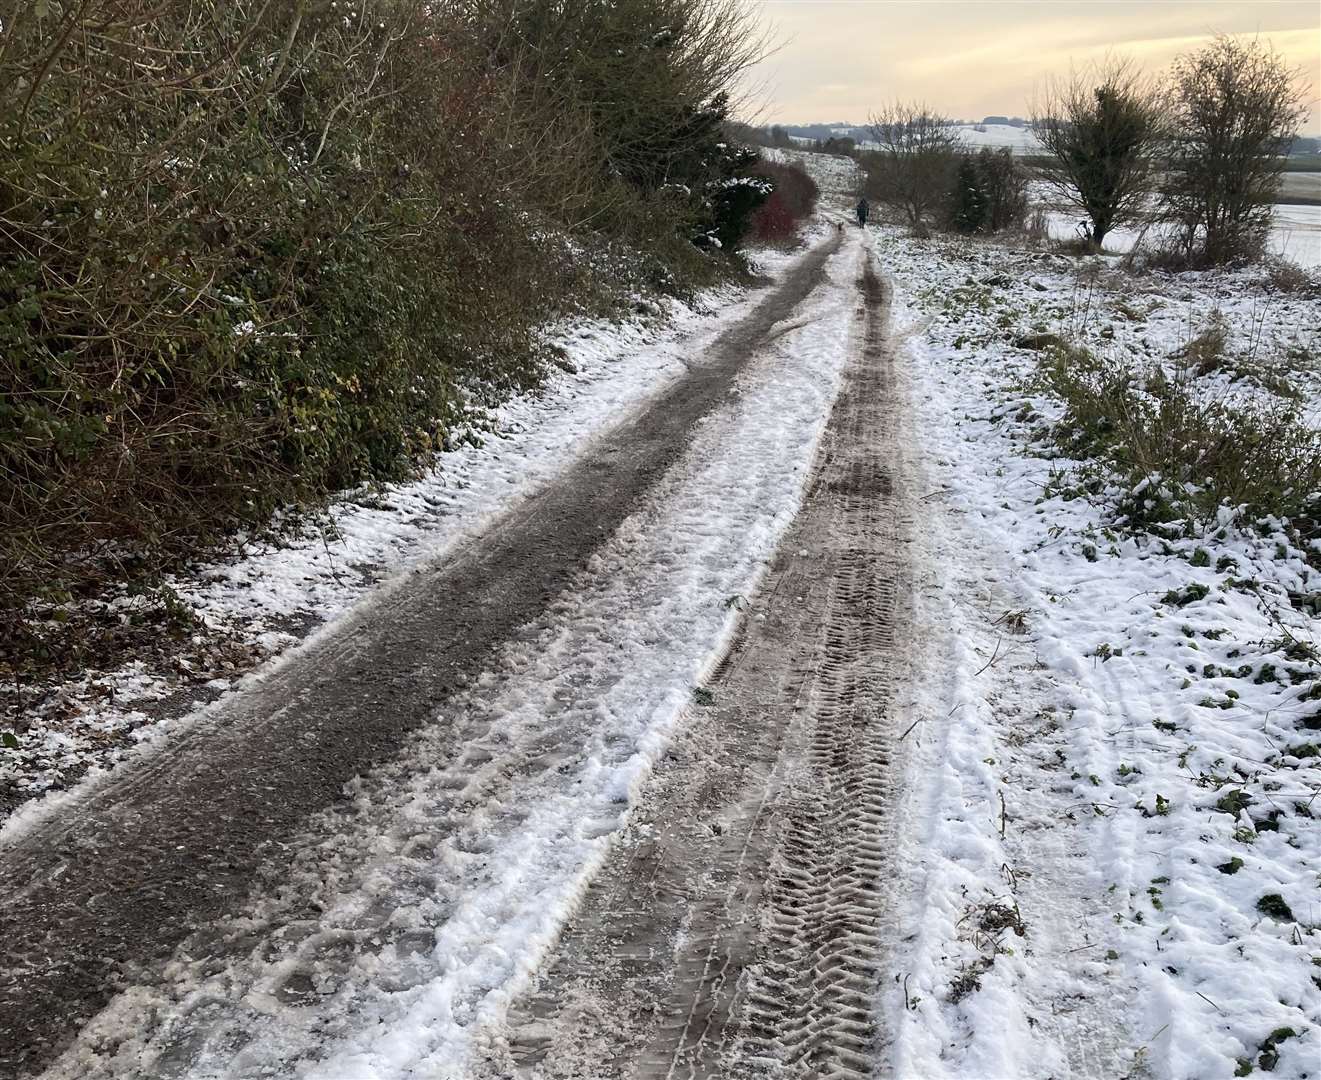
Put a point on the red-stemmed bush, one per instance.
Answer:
(793, 199)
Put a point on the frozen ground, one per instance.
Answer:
(1112, 841)
(734, 929)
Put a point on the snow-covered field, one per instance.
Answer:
(1295, 233)
(260, 603)
(836, 176)
(1019, 139)
(1112, 838)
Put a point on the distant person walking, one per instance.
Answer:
(863, 211)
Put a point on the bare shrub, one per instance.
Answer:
(1236, 109)
(1104, 129)
(1036, 227)
(1288, 277)
(793, 200)
(913, 170)
(836, 146)
(1075, 245)
(1205, 352)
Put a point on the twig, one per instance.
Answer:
(920, 719)
(994, 657)
(910, 728)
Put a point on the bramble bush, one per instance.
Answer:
(1184, 450)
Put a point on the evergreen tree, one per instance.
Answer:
(969, 202)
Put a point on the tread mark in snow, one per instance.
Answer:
(753, 949)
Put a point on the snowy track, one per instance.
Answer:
(735, 930)
(388, 934)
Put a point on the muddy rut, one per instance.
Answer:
(118, 879)
(737, 928)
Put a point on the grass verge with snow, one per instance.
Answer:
(1139, 774)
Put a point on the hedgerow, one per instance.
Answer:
(251, 254)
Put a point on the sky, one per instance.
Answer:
(838, 59)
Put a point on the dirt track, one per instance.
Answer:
(735, 930)
(118, 879)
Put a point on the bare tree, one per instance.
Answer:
(914, 166)
(1236, 108)
(1104, 128)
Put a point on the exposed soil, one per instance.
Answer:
(172, 842)
(736, 929)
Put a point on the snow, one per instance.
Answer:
(1295, 230)
(1109, 853)
(976, 136)
(414, 918)
(1080, 729)
(836, 175)
(1020, 139)
(1295, 233)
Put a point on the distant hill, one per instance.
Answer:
(1012, 132)
(994, 131)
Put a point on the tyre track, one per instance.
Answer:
(736, 931)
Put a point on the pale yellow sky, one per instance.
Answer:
(969, 58)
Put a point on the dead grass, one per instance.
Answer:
(1286, 277)
(1207, 351)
